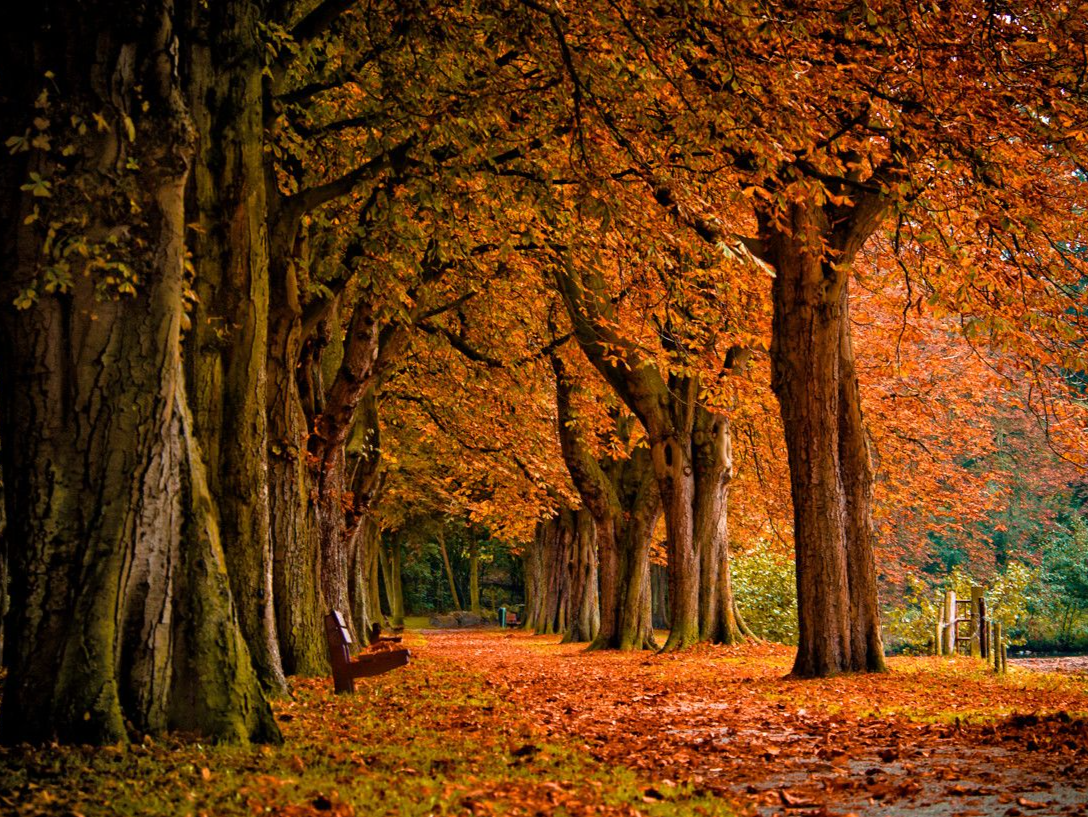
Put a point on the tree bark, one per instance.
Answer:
(364, 453)
(332, 532)
(375, 588)
(634, 536)
(3, 568)
(585, 616)
(660, 589)
(365, 541)
(296, 564)
(474, 577)
(673, 458)
(548, 575)
(368, 348)
(228, 346)
(122, 610)
(622, 498)
(866, 640)
(814, 380)
(449, 571)
(712, 444)
(535, 585)
(390, 557)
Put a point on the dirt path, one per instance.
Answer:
(1075, 664)
(932, 739)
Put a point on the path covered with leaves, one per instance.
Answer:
(934, 737)
(496, 722)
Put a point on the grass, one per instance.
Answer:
(429, 739)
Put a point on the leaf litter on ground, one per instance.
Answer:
(498, 722)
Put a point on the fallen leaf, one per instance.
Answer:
(1024, 802)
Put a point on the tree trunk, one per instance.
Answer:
(449, 571)
(296, 564)
(356, 378)
(390, 556)
(474, 577)
(364, 534)
(547, 575)
(666, 408)
(626, 603)
(533, 568)
(228, 346)
(585, 618)
(660, 589)
(122, 610)
(375, 590)
(639, 495)
(364, 614)
(867, 643)
(807, 377)
(557, 575)
(674, 467)
(3, 569)
(332, 532)
(712, 445)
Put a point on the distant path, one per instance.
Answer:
(1077, 664)
(725, 720)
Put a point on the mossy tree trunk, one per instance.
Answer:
(548, 574)
(296, 564)
(3, 567)
(866, 639)
(634, 535)
(365, 612)
(371, 346)
(227, 348)
(122, 611)
(389, 555)
(659, 584)
(533, 569)
(673, 459)
(557, 557)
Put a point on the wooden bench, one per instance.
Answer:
(511, 619)
(346, 669)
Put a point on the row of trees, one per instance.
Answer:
(237, 235)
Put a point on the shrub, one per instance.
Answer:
(765, 587)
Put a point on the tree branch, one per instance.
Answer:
(318, 21)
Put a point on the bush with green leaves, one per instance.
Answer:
(765, 587)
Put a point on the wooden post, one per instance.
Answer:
(938, 640)
(997, 647)
(976, 622)
(950, 622)
(983, 629)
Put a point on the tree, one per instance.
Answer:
(122, 609)
(795, 135)
(617, 487)
(690, 452)
(226, 354)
